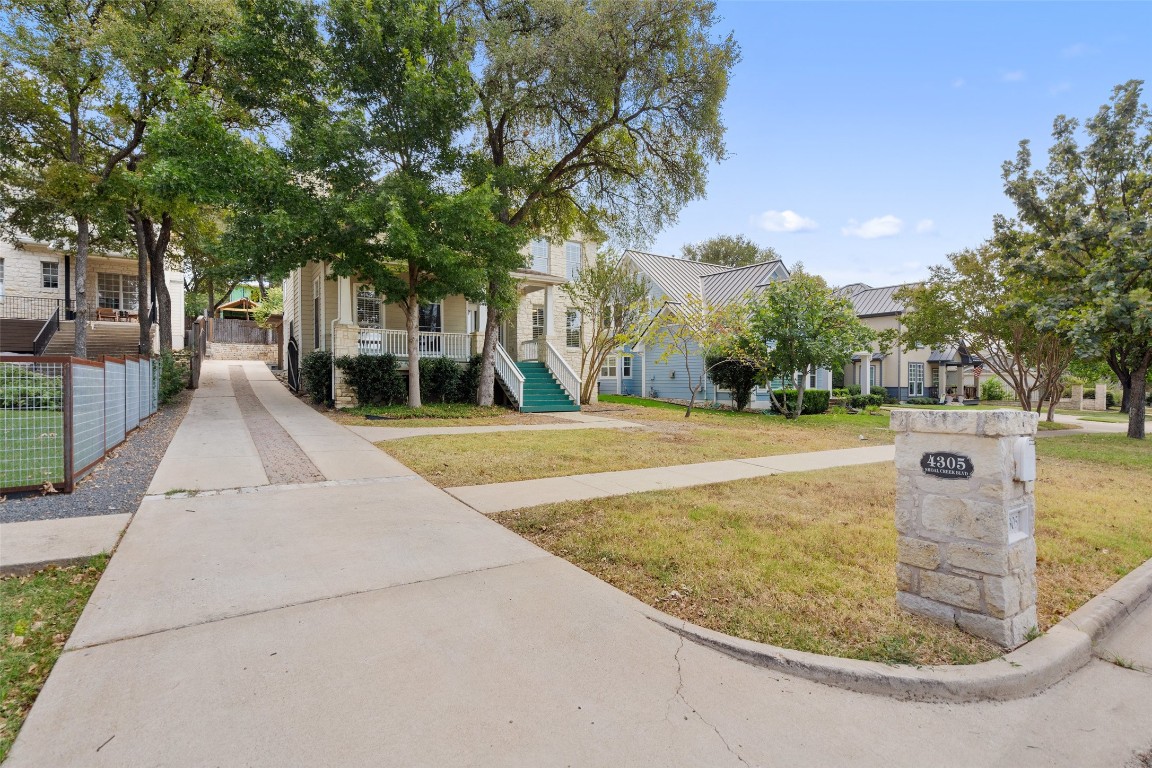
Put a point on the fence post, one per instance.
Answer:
(69, 448)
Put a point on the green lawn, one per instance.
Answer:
(31, 447)
(795, 561)
(37, 614)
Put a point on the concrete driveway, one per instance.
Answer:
(369, 619)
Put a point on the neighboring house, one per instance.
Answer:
(538, 350)
(36, 281)
(640, 371)
(939, 374)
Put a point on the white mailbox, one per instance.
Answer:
(1024, 454)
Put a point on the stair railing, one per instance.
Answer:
(40, 343)
(564, 374)
(512, 377)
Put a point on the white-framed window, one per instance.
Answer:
(573, 259)
(367, 308)
(473, 319)
(538, 327)
(116, 291)
(626, 366)
(539, 249)
(915, 379)
(872, 371)
(49, 274)
(608, 369)
(572, 329)
(811, 379)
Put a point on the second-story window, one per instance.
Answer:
(50, 274)
(540, 255)
(572, 329)
(574, 259)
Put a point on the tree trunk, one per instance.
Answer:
(486, 391)
(1124, 376)
(80, 345)
(160, 293)
(693, 390)
(412, 308)
(800, 389)
(143, 259)
(1137, 402)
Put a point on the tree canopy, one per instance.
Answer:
(729, 251)
(1089, 214)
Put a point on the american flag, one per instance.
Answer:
(978, 370)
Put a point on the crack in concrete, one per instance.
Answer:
(679, 694)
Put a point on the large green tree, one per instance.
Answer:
(597, 117)
(795, 327)
(612, 302)
(978, 302)
(83, 80)
(1090, 213)
(728, 251)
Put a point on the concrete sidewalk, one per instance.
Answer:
(380, 622)
(30, 546)
(500, 497)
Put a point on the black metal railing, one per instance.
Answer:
(46, 333)
(29, 307)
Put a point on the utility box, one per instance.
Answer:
(965, 519)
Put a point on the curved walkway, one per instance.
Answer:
(371, 619)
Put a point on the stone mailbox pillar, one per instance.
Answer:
(965, 515)
(1101, 397)
(1077, 397)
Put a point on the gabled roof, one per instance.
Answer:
(872, 302)
(678, 278)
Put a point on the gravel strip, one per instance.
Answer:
(283, 459)
(117, 484)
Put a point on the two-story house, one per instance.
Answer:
(538, 349)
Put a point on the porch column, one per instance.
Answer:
(344, 301)
(549, 309)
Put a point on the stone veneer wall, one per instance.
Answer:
(224, 351)
(966, 549)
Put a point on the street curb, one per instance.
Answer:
(23, 569)
(1061, 650)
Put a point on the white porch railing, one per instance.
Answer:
(373, 341)
(510, 375)
(529, 351)
(562, 371)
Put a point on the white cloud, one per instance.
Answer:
(925, 226)
(882, 226)
(1015, 76)
(783, 221)
(1074, 50)
(958, 82)
(1061, 87)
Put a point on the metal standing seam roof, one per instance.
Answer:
(678, 278)
(871, 302)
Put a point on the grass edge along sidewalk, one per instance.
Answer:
(807, 561)
(38, 611)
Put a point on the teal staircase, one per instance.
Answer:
(542, 393)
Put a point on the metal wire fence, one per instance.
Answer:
(59, 416)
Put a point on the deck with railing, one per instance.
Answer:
(374, 341)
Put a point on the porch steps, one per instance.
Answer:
(542, 393)
(113, 339)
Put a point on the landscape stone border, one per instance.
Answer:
(1028, 670)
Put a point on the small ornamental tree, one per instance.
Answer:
(612, 302)
(735, 375)
(694, 328)
(797, 326)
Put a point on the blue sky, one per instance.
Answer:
(866, 138)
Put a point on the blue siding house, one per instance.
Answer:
(640, 372)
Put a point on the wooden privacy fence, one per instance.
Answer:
(59, 416)
(228, 330)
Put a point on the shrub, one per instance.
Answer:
(841, 392)
(373, 378)
(735, 376)
(865, 401)
(316, 376)
(25, 389)
(878, 391)
(439, 380)
(470, 380)
(174, 374)
(853, 389)
(993, 390)
(921, 401)
(815, 400)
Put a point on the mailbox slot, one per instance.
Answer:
(1024, 455)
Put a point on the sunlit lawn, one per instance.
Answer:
(435, 415)
(665, 439)
(806, 561)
